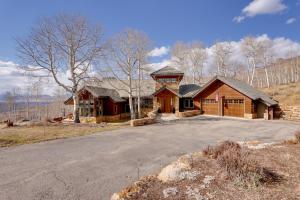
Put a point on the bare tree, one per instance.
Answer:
(196, 58)
(251, 49)
(64, 45)
(222, 52)
(190, 58)
(126, 58)
(267, 57)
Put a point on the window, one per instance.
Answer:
(188, 103)
(209, 101)
(147, 103)
(116, 109)
(167, 80)
(234, 101)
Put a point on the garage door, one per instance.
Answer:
(210, 106)
(234, 107)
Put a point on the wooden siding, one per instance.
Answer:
(205, 101)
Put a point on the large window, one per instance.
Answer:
(167, 80)
(188, 103)
(147, 103)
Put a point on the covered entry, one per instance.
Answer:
(166, 100)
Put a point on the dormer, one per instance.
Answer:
(167, 76)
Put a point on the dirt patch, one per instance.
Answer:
(212, 183)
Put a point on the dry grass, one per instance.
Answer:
(239, 165)
(30, 134)
(286, 94)
(284, 160)
(295, 140)
(215, 151)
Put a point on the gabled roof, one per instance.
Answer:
(243, 88)
(188, 90)
(104, 92)
(166, 88)
(168, 70)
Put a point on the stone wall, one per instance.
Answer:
(189, 113)
(142, 122)
(290, 112)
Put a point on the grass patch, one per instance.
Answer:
(32, 134)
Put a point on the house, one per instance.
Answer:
(222, 96)
(108, 101)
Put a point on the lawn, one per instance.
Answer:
(31, 134)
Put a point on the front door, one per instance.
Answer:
(166, 104)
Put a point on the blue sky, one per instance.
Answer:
(165, 22)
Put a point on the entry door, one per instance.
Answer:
(168, 104)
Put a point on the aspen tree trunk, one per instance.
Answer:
(76, 107)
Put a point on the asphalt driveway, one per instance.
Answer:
(93, 167)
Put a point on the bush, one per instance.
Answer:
(239, 166)
(296, 140)
(214, 152)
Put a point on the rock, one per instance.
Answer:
(171, 191)
(194, 194)
(115, 196)
(174, 172)
(207, 179)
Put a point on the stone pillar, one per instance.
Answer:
(176, 104)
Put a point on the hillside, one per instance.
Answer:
(288, 94)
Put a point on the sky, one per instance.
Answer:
(165, 22)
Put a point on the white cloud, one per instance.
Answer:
(261, 7)
(290, 20)
(158, 52)
(13, 76)
(158, 65)
(238, 19)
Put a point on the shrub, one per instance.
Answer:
(244, 170)
(214, 152)
(296, 140)
(239, 166)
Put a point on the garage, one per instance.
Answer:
(233, 107)
(210, 107)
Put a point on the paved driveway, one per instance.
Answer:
(93, 167)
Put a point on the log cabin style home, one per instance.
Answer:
(221, 96)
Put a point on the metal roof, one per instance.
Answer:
(168, 70)
(104, 92)
(188, 90)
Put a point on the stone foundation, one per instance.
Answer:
(249, 115)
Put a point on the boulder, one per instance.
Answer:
(174, 172)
